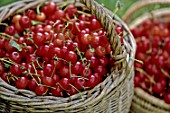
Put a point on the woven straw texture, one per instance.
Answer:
(142, 101)
(113, 95)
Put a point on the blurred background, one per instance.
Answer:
(110, 4)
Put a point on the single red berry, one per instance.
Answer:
(16, 57)
(48, 69)
(64, 71)
(58, 91)
(15, 70)
(80, 83)
(25, 22)
(32, 84)
(64, 82)
(22, 82)
(41, 90)
(39, 39)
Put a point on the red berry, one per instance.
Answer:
(22, 83)
(25, 22)
(41, 90)
(58, 91)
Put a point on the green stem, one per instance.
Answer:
(139, 61)
(4, 24)
(81, 12)
(77, 90)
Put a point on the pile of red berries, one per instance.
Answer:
(153, 48)
(56, 50)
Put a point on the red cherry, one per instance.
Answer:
(31, 14)
(25, 22)
(93, 62)
(94, 24)
(48, 81)
(64, 82)
(77, 68)
(64, 71)
(80, 83)
(158, 88)
(92, 81)
(22, 83)
(1, 68)
(72, 90)
(8, 47)
(58, 91)
(56, 78)
(167, 98)
(71, 10)
(10, 30)
(39, 39)
(59, 14)
(15, 70)
(16, 57)
(101, 70)
(4, 76)
(100, 51)
(89, 53)
(95, 41)
(86, 72)
(32, 84)
(71, 56)
(41, 90)
(48, 69)
(103, 61)
(51, 8)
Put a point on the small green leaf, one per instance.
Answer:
(16, 36)
(33, 22)
(7, 65)
(92, 50)
(17, 46)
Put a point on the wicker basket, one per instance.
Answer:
(113, 95)
(142, 101)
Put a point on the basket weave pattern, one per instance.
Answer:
(113, 95)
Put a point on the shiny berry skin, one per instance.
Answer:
(22, 83)
(167, 98)
(72, 91)
(101, 70)
(39, 39)
(32, 84)
(25, 22)
(31, 14)
(71, 56)
(64, 71)
(80, 83)
(15, 70)
(77, 68)
(71, 10)
(64, 82)
(10, 30)
(48, 69)
(51, 8)
(92, 81)
(48, 81)
(86, 72)
(100, 51)
(16, 57)
(41, 90)
(58, 91)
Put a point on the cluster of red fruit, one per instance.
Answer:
(55, 50)
(153, 48)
